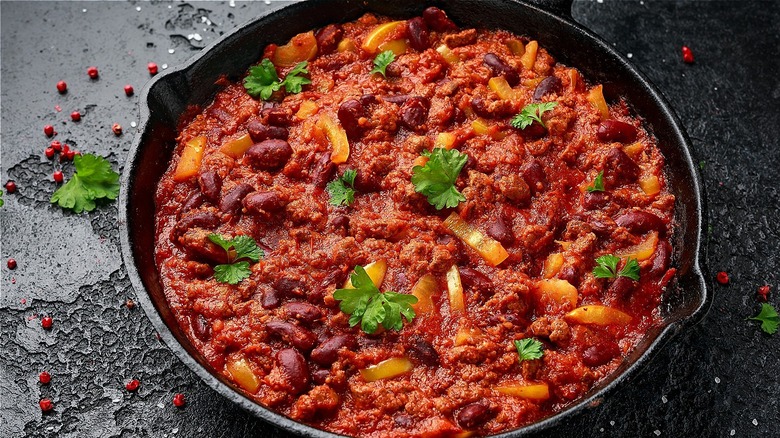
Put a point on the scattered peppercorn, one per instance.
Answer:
(11, 263)
(46, 322)
(62, 87)
(763, 292)
(178, 400)
(48, 130)
(56, 145)
(117, 128)
(75, 116)
(129, 90)
(44, 378)
(722, 277)
(10, 186)
(71, 154)
(130, 303)
(152, 68)
(46, 405)
(132, 385)
(687, 55)
(92, 72)
(49, 152)
(57, 175)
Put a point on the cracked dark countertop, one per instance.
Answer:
(722, 378)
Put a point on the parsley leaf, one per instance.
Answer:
(1, 199)
(530, 113)
(94, 179)
(381, 62)
(598, 183)
(529, 349)
(342, 189)
(436, 179)
(606, 267)
(369, 307)
(237, 248)
(263, 80)
(768, 317)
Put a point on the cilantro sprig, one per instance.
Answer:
(381, 62)
(263, 80)
(342, 189)
(1, 199)
(606, 267)
(94, 179)
(237, 248)
(436, 180)
(369, 307)
(529, 349)
(768, 317)
(530, 113)
(598, 183)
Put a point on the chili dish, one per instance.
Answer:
(405, 228)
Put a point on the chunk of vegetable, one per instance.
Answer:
(482, 127)
(236, 147)
(650, 185)
(552, 265)
(535, 391)
(448, 54)
(337, 137)
(398, 47)
(302, 47)
(556, 291)
(529, 56)
(346, 45)
(422, 160)
(641, 251)
(634, 149)
(242, 373)
(598, 315)
(574, 79)
(387, 369)
(455, 290)
(516, 47)
(596, 98)
(502, 88)
(307, 109)
(445, 140)
(379, 35)
(375, 270)
(424, 290)
(489, 249)
(467, 336)
(191, 156)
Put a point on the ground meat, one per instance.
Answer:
(462, 38)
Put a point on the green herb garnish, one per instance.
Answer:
(530, 113)
(1, 199)
(342, 189)
(94, 179)
(768, 317)
(237, 248)
(436, 179)
(529, 349)
(263, 80)
(598, 183)
(368, 306)
(381, 62)
(606, 267)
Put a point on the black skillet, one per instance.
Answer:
(166, 98)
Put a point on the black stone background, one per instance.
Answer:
(720, 379)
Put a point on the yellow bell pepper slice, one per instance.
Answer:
(596, 98)
(379, 35)
(424, 290)
(376, 272)
(191, 156)
(302, 47)
(398, 47)
(387, 369)
(650, 185)
(337, 137)
(489, 249)
(529, 56)
(236, 147)
(242, 374)
(455, 290)
(641, 251)
(552, 265)
(598, 315)
(556, 290)
(535, 391)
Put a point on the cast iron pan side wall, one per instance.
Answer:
(170, 94)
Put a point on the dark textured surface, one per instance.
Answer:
(718, 378)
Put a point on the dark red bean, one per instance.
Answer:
(328, 352)
(639, 222)
(263, 202)
(622, 287)
(423, 351)
(279, 116)
(298, 337)
(290, 288)
(602, 227)
(200, 327)
(414, 112)
(367, 183)
(303, 312)
(397, 99)
(418, 34)
(619, 168)
(534, 175)
(340, 221)
(320, 377)
(595, 200)
(270, 299)
(499, 230)
(259, 131)
(660, 260)
(501, 68)
(324, 171)
(231, 202)
(194, 201)
(437, 20)
(570, 274)
(550, 84)
(200, 219)
(293, 366)
(269, 154)
(600, 353)
(534, 131)
(480, 107)
(474, 415)
(210, 185)
(474, 279)
(350, 112)
(614, 130)
(337, 277)
(368, 99)
(328, 38)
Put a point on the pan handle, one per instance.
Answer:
(561, 8)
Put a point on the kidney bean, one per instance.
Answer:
(270, 299)
(200, 219)
(499, 230)
(602, 227)
(640, 222)
(615, 130)
(397, 99)
(533, 174)
(340, 221)
(619, 168)
(501, 68)
(473, 415)
(320, 377)
(263, 202)
(328, 38)
(534, 131)
(570, 274)
(437, 20)
(368, 99)
(423, 351)
(231, 202)
(269, 154)
(210, 184)
(622, 287)
(279, 116)
(414, 112)
(293, 366)
(259, 131)
(350, 112)
(550, 84)
(472, 278)
(337, 277)
(294, 335)
(200, 327)
(193, 202)
(323, 171)
(328, 352)
(480, 107)
(595, 200)
(418, 34)
(367, 183)
(600, 353)
(289, 287)
(303, 312)
(660, 260)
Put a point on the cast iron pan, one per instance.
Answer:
(165, 99)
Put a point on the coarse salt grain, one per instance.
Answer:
(733, 432)
(232, 3)
(755, 422)
(164, 66)
(133, 124)
(717, 380)
(657, 432)
(630, 55)
(612, 423)
(171, 50)
(664, 399)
